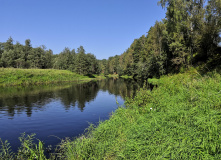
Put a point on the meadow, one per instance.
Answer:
(16, 77)
(178, 119)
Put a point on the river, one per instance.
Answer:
(54, 112)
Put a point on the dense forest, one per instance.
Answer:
(25, 56)
(188, 36)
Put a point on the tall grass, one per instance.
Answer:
(12, 76)
(180, 119)
(28, 149)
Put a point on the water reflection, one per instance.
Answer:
(18, 100)
(59, 110)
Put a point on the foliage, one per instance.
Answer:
(25, 56)
(5, 151)
(188, 36)
(28, 149)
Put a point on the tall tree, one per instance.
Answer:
(81, 65)
(211, 31)
(8, 45)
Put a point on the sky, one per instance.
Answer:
(103, 27)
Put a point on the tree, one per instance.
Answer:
(8, 58)
(81, 65)
(19, 58)
(8, 45)
(210, 32)
(93, 64)
(184, 26)
(49, 57)
(65, 60)
(1, 52)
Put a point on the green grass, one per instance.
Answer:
(28, 149)
(180, 119)
(112, 76)
(12, 77)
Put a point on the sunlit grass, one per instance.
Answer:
(181, 119)
(12, 76)
(126, 77)
(112, 76)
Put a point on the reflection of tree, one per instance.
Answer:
(24, 103)
(17, 100)
(78, 93)
(121, 87)
(26, 99)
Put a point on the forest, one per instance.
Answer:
(25, 56)
(189, 35)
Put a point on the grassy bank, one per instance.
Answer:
(12, 77)
(112, 76)
(180, 119)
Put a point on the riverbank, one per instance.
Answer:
(112, 76)
(17, 77)
(117, 76)
(178, 119)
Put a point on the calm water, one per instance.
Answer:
(59, 110)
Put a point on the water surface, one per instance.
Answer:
(54, 112)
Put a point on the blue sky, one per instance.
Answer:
(104, 27)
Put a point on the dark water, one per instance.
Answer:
(59, 110)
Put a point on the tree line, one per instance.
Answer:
(25, 56)
(189, 35)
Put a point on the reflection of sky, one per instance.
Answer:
(220, 39)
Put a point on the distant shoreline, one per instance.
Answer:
(26, 77)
